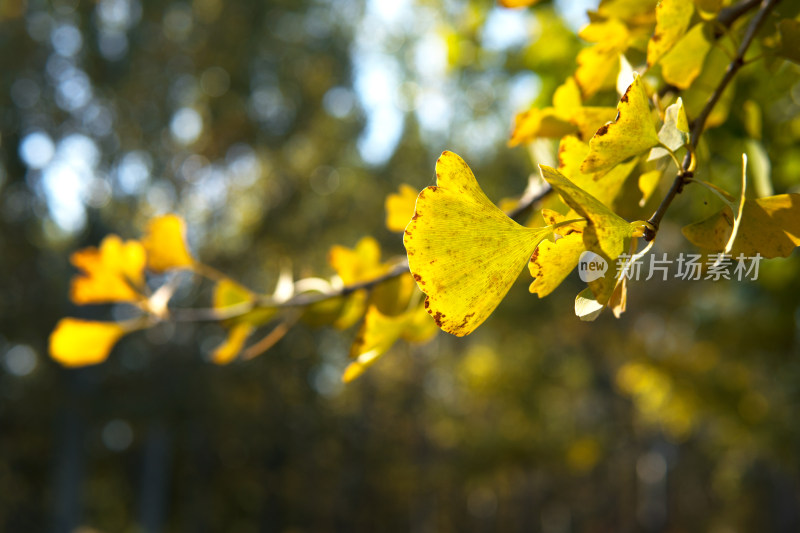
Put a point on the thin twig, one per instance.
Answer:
(305, 299)
(698, 124)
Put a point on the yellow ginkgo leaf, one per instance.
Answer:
(672, 20)
(233, 344)
(769, 226)
(598, 65)
(362, 263)
(607, 233)
(463, 251)
(552, 262)
(684, 62)
(648, 183)
(714, 67)
(605, 186)
(379, 332)
(632, 133)
(165, 242)
(112, 273)
(548, 122)
(566, 116)
(76, 342)
(400, 207)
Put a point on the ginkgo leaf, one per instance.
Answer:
(672, 20)
(463, 251)
(361, 263)
(590, 119)
(634, 12)
(597, 68)
(684, 62)
(709, 7)
(631, 134)
(76, 342)
(165, 242)
(552, 262)
(112, 273)
(674, 133)
(535, 123)
(233, 344)
(587, 308)
(379, 332)
(648, 183)
(567, 116)
(714, 67)
(605, 186)
(769, 226)
(607, 233)
(400, 207)
(619, 299)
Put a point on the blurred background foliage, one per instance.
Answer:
(277, 128)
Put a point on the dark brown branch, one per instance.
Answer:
(699, 123)
(306, 299)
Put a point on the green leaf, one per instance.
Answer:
(684, 62)
(674, 133)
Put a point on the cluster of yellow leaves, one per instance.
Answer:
(465, 253)
(115, 273)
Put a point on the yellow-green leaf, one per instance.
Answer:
(672, 20)
(632, 133)
(165, 242)
(76, 342)
(552, 262)
(605, 186)
(684, 62)
(598, 65)
(674, 133)
(463, 251)
(607, 233)
(769, 226)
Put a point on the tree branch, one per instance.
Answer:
(698, 124)
(305, 299)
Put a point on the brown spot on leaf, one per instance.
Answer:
(437, 317)
(602, 131)
(419, 279)
(427, 303)
(466, 319)
(535, 255)
(433, 188)
(625, 96)
(433, 261)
